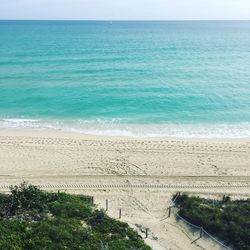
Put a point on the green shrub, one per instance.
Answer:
(33, 219)
(228, 220)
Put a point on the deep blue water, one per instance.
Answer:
(127, 78)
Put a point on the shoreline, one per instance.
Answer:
(119, 128)
(68, 134)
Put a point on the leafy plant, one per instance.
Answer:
(226, 219)
(34, 219)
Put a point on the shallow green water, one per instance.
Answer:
(127, 78)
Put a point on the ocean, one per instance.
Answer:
(139, 79)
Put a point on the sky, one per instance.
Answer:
(125, 9)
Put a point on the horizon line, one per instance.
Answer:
(128, 20)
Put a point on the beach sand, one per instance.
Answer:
(138, 176)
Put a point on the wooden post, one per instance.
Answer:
(146, 233)
(92, 200)
(169, 211)
(107, 205)
(223, 199)
(120, 213)
(201, 232)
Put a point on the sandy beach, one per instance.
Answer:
(137, 175)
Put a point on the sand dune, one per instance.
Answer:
(138, 176)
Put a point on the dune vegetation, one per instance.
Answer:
(34, 219)
(228, 220)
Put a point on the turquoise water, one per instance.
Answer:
(126, 78)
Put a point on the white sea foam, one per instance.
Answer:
(115, 127)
